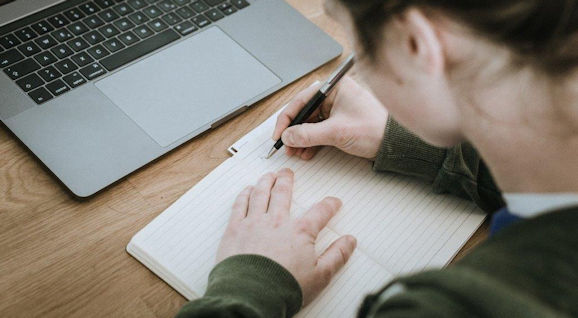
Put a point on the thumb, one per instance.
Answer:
(336, 256)
(310, 135)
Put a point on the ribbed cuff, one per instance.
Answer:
(403, 152)
(259, 282)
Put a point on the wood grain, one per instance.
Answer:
(60, 257)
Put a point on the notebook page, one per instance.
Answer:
(180, 245)
(420, 229)
(397, 220)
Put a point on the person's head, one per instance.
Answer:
(426, 60)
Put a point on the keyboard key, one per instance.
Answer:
(142, 48)
(185, 28)
(62, 51)
(62, 35)
(167, 5)
(45, 58)
(213, 3)
(158, 25)
(185, 13)
(201, 21)
(214, 15)
(229, 10)
(123, 24)
(113, 45)
(30, 82)
(224, 6)
(74, 80)
(93, 37)
(152, 12)
(123, 9)
(89, 8)
(74, 14)
(10, 57)
(78, 28)
(82, 59)
(78, 44)
(29, 48)
(9, 41)
(104, 3)
(57, 87)
(22, 69)
(138, 18)
(40, 95)
(58, 21)
(240, 4)
(42, 27)
(98, 52)
(171, 18)
(137, 4)
(65, 66)
(199, 6)
(49, 74)
(26, 34)
(108, 15)
(181, 3)
(93, 22)
(45, 42)
(128, 38)
(143, 32)
(92, 71)
(109, 31)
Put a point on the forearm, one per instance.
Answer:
(458, 170)
(247, 286)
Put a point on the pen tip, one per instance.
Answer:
(271, 153)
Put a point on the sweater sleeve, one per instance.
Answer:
(247, 286)
(459, 170)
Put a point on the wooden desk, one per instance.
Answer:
(60, 257)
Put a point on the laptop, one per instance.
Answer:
(97, 89)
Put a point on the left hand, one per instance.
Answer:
(260, 224)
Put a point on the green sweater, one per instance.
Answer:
(528, 270)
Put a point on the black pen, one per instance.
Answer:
(318, 99)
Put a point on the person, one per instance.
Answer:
(492, 79)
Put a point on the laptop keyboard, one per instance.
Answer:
(68, 45)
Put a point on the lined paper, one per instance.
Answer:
(400, 225)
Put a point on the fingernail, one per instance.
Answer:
(315, 83)
(353, 241)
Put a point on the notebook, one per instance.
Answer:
(401, 226)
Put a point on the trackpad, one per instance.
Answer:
(186, 87)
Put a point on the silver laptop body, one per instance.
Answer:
(96, 123)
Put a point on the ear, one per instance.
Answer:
(420, 42)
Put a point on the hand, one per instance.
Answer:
(354, 121)
(260, 224)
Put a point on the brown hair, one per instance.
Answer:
(542, 32)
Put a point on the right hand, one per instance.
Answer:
(351, 119)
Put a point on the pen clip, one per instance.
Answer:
(337, 75)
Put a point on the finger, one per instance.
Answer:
(309, 153)
(290, 151)
(241, 205)
(299, 152)
(336, 256)
(259, 199)
(293, 108)
(310, 135)
(317, 218)
(282, 193)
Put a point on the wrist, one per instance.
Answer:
(259, 282)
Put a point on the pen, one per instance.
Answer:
(318, 99)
